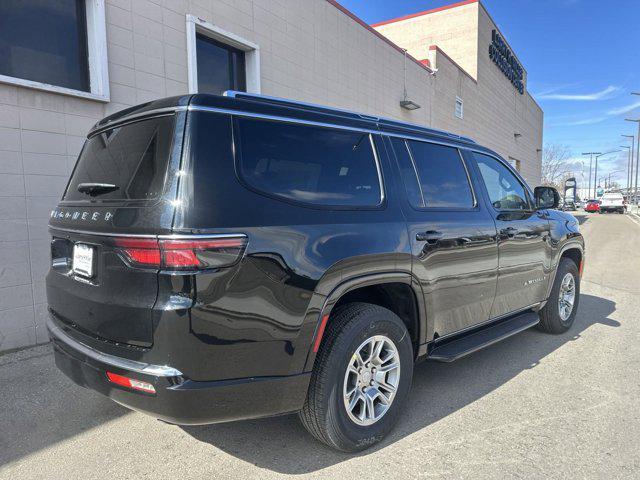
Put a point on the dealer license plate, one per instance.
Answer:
(83, 260)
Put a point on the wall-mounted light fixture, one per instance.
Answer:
(409, 105)
(405, 102)
(516, 135)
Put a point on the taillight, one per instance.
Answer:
(142, 252)
(182, 253)
(131, 383)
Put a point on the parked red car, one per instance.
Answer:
(592, 206)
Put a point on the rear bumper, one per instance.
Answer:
(177, 399)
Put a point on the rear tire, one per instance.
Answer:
(326, 413)
(556, 317)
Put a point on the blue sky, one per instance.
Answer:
(582, 58)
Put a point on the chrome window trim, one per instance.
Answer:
(287, 102)
(119, 362)
(281, 118)
(278, 118)
(383, 195)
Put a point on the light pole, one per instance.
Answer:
(595, 174)
(611, 173)
(630, 181)
(629, 161)
(591, 154)
(635, 188)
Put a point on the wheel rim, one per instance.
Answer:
(371, 380)
(567, 296)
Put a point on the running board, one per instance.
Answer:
(462, 345)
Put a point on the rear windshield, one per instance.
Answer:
(131, 159)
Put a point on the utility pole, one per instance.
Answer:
(635, 188)
(630, 180)
(629, 162)
(591, 154)
(635, 191)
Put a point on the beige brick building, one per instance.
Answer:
(118, 53)
(455, 40)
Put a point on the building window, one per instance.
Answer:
(459, 111)
(515, 164)
(220, 67)
(57, 46)
(219, 60)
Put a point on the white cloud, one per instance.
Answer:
(601, 118)
(586, 97)
(625, 109)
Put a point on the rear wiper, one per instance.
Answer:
(95, 189)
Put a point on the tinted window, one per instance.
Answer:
(134, 157)
(45, 41)
(408, 172)
(505, 190)
(442, 176)
(220, 67)
(314, 165)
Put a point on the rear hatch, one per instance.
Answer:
(120, 191)
(612, 200)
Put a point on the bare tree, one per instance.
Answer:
(555, 165)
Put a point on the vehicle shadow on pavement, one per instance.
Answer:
(582, 219)
(282, 445)
(40, 407)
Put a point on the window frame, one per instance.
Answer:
(97, 60)
(251, 52)
(525, 186)
(455, 109)
(237, 158)
(472, 208)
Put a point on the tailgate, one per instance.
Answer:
(90, 287)
(122, 187)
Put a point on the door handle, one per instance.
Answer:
(430, 236)
(509, 231)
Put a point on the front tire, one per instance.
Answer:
(361, 378)
(558, 314)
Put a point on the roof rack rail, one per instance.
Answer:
(295, 103)
(332, 110)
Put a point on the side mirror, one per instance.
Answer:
(546, 197)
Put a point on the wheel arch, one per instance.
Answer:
(362, 289)
(573, 250)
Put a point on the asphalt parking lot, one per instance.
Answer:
(533, 406)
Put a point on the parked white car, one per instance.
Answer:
(612, 202)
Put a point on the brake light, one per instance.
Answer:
(131, 383)
(182, 254)
(140, 251)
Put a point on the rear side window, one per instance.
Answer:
(133, 157)
(314, 165)
(442, 177)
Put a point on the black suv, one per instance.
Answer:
(218, 258)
